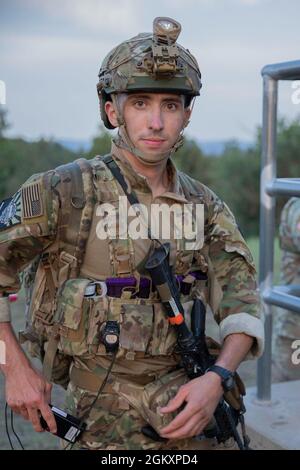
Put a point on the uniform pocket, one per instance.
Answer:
(136, 326)
(158, 394)
(98, 314)
(147, 400)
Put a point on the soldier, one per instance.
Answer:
(99, 327)
(287, 323)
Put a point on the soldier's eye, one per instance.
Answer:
(172, 106)
(139, 104)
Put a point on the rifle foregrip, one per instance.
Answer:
(198, 318)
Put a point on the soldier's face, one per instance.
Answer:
(154, 120)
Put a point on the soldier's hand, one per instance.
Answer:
(201, 396)
(29, 394)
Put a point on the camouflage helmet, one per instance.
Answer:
(151, 62)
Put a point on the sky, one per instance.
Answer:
(51, 51)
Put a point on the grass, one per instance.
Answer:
(253, 244)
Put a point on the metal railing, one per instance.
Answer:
(270, 187)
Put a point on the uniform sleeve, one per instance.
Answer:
(28, 224)
(233, 288)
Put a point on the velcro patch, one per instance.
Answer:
(10, 211)
(32, 205)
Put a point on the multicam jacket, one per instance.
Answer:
(33, 223)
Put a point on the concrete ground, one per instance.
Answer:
(275, 424)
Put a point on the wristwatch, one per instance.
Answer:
(227, 377)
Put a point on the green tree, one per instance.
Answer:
(190, 159)
(101, 144)
(236, 181)
(236, 175)
(20, 159)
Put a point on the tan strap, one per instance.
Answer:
(89, 197)
(50, 353)
(68, 264)
(78, 199)
(73, 201)
(92, 381)
(88, 380)
(120, 250)
(50, 275)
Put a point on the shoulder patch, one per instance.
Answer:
(32, 205)
(10, 211)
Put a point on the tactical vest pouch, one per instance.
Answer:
(40, 320)
(80, 319)
(163, 338)
(71, 316)
(144, 328)
(135, 327)
(135, 318)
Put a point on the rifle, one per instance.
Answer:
(191, 346)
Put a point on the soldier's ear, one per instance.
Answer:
(111, 113)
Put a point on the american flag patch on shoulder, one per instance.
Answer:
(32, 205)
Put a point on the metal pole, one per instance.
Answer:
(267, 227)
(283, 71)
(284, 187)
(284, 296)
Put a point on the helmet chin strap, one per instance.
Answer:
(123, 140)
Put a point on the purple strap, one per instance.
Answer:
(115, 285)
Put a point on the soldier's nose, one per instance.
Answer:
(155, 121)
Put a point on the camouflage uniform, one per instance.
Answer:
(147, 341)
(46, 218)
(287, 323)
